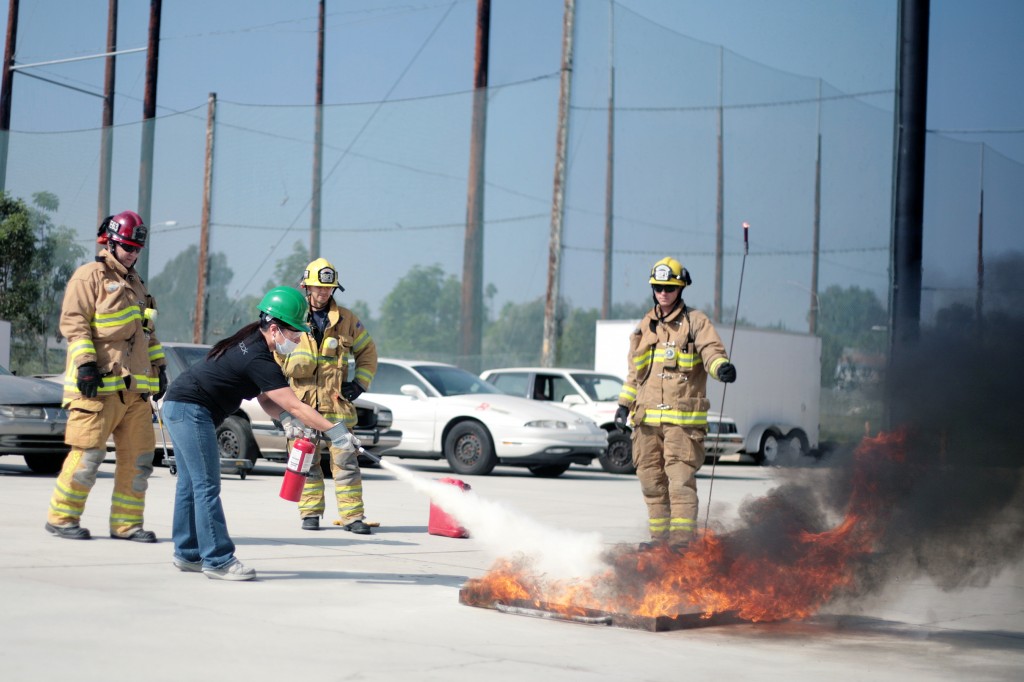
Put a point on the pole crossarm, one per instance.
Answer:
(19, 67)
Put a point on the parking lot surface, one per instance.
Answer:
(331, 605)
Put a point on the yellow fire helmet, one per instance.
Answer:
(669, 271)
(320, 273)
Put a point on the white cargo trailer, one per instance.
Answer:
(775, 400)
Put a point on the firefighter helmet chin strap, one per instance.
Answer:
(657, 306)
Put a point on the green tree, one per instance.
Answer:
(420, 316)
(514, 338)
(289, 270)
(849, 318)
(36, 261)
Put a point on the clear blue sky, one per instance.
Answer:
(263, 52)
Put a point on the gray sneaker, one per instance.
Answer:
(188, 566)
(233, 571)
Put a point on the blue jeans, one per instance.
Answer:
(200, 531)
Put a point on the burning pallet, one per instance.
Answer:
(587, 616)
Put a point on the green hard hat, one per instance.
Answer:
(288, 305)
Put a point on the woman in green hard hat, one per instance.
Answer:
(235, 369)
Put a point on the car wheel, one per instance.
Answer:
(469, 449)
(235, 440)
(768, 452)
(549, 470)
(45, 464)
(618, 458)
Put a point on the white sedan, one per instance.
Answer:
(444, 411)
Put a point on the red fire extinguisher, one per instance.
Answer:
(299, 461)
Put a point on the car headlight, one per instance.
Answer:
(547, 424)
(22, 412)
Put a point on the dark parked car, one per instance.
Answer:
(32, 422)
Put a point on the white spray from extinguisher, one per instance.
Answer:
(556, 553)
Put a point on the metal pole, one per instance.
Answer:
(199, 323)
(812, 318)
(549, 346)
(148, 130)
(318, 142)
(979, 299)
(720, 206)
(7, 88)
(471, 306)
(609, 182)
(908, 193)
(107, 133)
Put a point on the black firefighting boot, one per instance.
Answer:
(137, 535)
(74, 532)
(311, 523)
(358, 527)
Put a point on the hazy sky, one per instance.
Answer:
(262, 52)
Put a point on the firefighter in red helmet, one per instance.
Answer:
(671, 354)
(114, 364)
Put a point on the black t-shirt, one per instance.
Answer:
(243, 371)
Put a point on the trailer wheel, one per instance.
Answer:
(45, 464)
(799, 439)
(618, 458)
(768, 452)
(469, 450)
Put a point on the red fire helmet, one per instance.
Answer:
(125, 228)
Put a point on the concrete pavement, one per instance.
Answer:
(336, 606)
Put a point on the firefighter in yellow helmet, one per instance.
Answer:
(114, 363)
(671, 353)
(318, 373)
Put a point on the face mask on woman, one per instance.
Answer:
(287, 346)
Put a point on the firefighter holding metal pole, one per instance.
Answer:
(114, 363)
(671, 354)
(318, 373)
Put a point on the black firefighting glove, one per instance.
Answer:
(163, 384)
(88, 379)
(727, 373)
(621, 417)
(350, 390)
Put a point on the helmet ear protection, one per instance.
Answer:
(125, 227)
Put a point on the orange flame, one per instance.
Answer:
(789, 575)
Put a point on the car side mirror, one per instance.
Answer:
(413, 391)
(573, 399)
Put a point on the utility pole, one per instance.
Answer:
(609, 181)
(908, 193)
(107, 133)
(148, 131)
(199, 323)
(549, 349)
(6, 89)
(720, 202)
(318, 142)
(979, 300)
(471, 310)
(812, 321)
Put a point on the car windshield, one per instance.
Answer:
(454, 381)
(599, 387)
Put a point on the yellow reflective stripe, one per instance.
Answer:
(156, 352)
(627, 394)
(300, 355)
(349, 489)
(125, 518)
(327, 360)
(657, 525)
(349, 419)
(122, 317)
(676, 417)
(81, 347)
(361, 342)
(682, 524)
(643, 360)
(122, 500)
(364, 377)
(683, 360)
(715, 365)
(145, 383)
(67, 509)
(72, 494)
